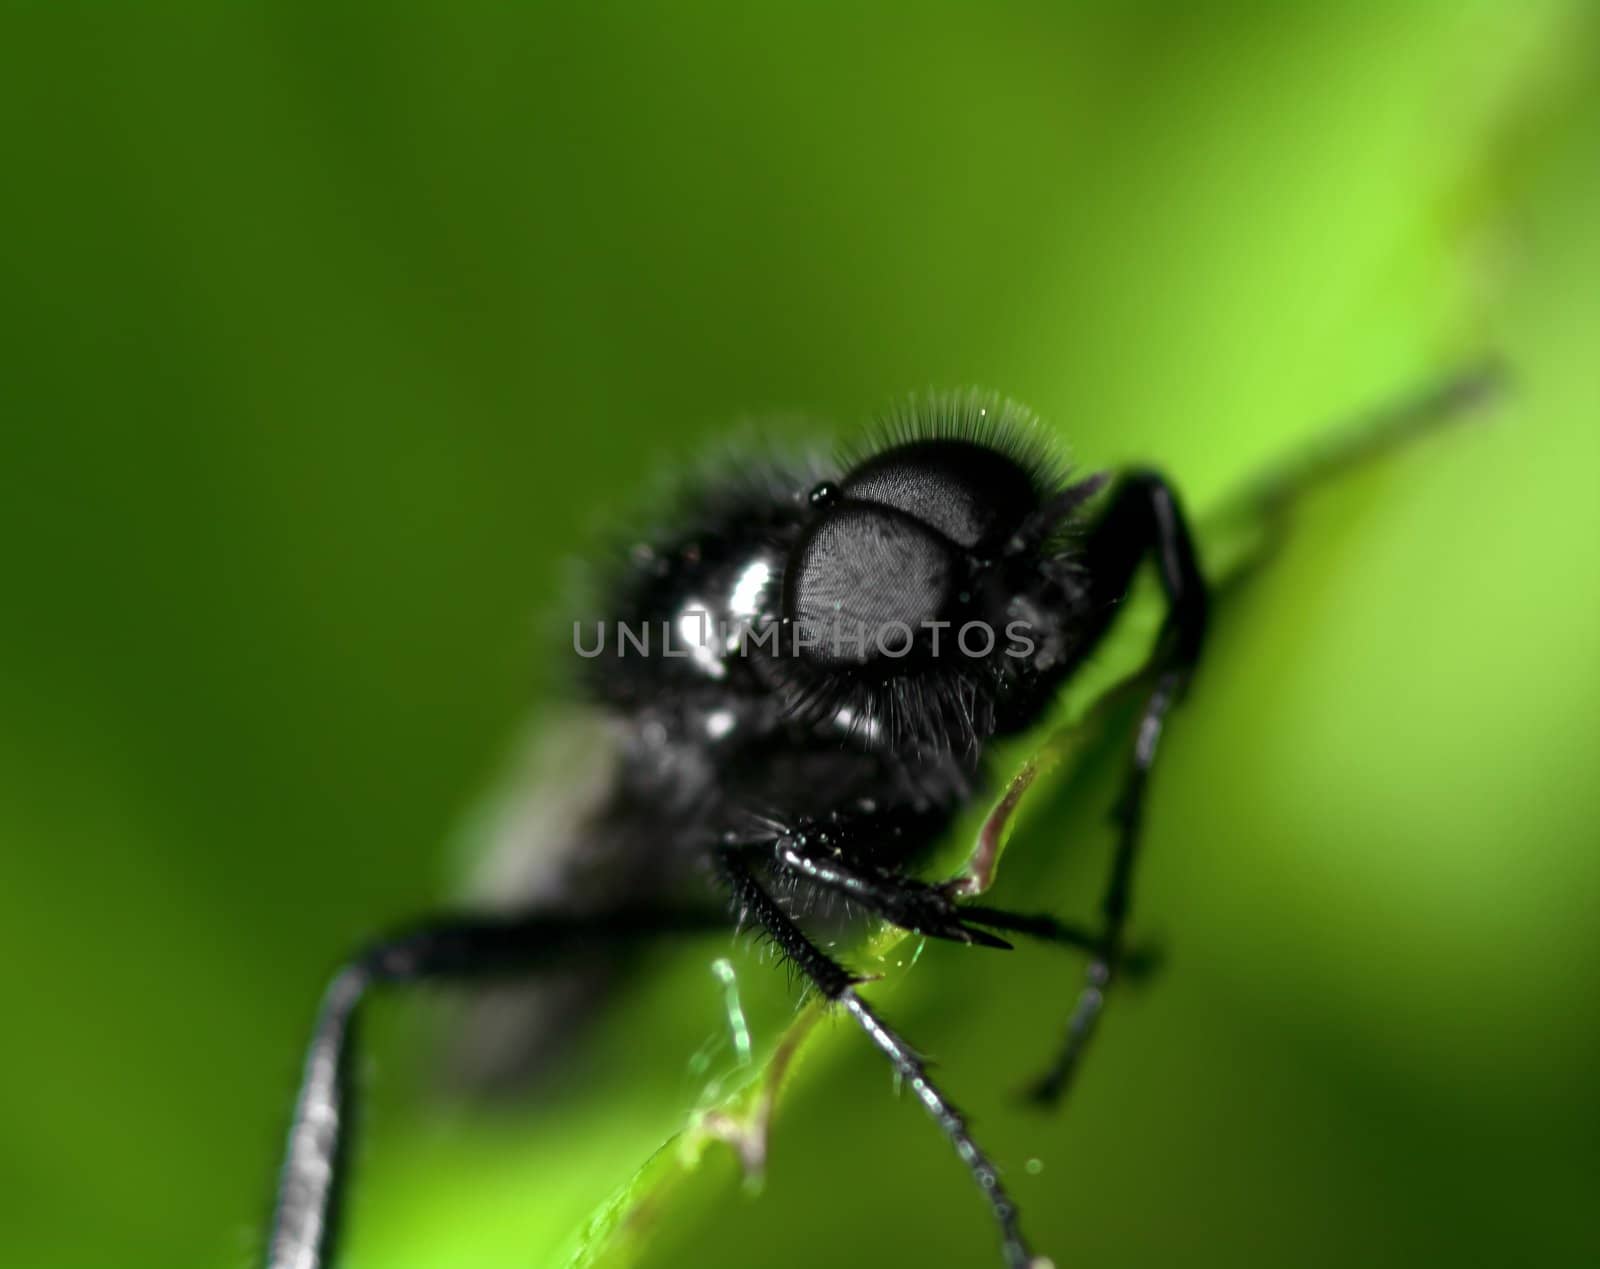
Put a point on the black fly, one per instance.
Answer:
(799, 684)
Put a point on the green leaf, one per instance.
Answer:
(1237, 538)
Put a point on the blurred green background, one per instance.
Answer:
(330, 332)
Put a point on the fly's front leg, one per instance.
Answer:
(836, 855)
(756, 905)
(1142, 521)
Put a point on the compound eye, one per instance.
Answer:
(969, 492)
(862, 582)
